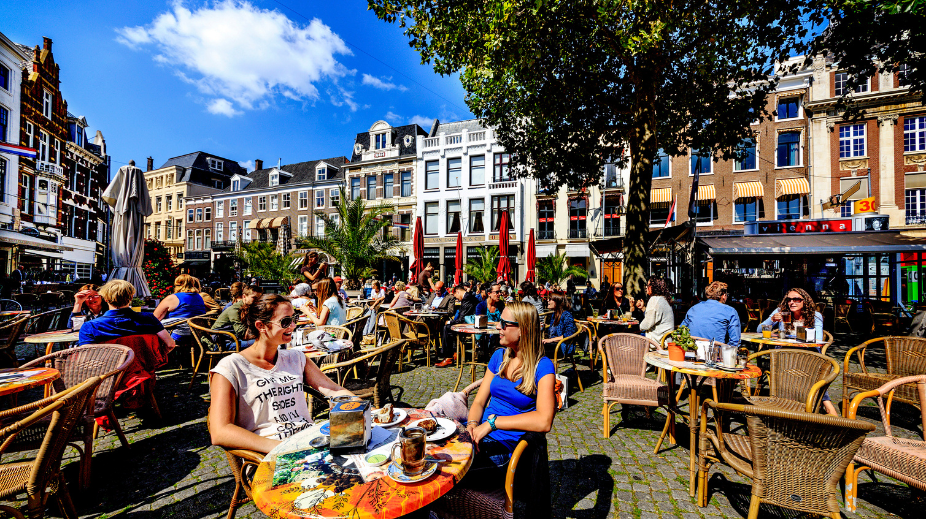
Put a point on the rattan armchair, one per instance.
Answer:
(243, 463)
(841, 313)
(108, 361)
(10, 305)
(210, 342)
(573, 340)
(903, 356)
(827, 341)
(373, 383)
(900, 458)
(797, 379)
(795, 459)
(623, 371)
(416, 333)
(354, 312)
(40, 478)
(10, 333)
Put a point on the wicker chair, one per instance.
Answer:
(795, 459)
(753, 314)
(10, 332)
(243, 463)
(625, 382)
(904, 356)
(841, 313)
(7, 305)
(572, 339)
(208, 341)
(375, 382)
(900, 458)
(416, 333)
(797, 379)
(30, 301)
(827, 341)
(354, 312)
(41, 478)
(108, 361)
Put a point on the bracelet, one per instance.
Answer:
(472, 422)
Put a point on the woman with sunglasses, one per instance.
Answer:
(88, 303)
(615, 300)
(259, 396)
(801, 306)
(562, 323)
(516, 395)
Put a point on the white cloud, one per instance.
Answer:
(382, 84)
(392, 117)
(241, 53)
(424, 122)
(222, 107)
(248, 165)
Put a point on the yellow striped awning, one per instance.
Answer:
(265, 223)
(791, 186)
(660, 195)
(706, 193)
(278, 221)
(253, 224)
(748, 190)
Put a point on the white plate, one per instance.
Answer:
(397, 416)
(445, 429)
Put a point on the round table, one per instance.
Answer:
(461, 349)
(37, 377)
(696, 373)
(614, 322)
(778, 342)
(282, 491)
(52, 338)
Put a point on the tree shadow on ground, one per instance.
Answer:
(573, 480)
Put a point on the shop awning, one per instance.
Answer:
(16, 238)
(577, 250)
(543, 251)
(706, 193)
(748, 190)
(823, 243)
(791, 186)
(253, 224)
(660, 195)
(278, 221)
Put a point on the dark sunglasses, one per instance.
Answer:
(506, 323)
(286, 322)
(794, 299)
(618, 288)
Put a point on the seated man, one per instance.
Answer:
(440, 299)
(120, 320)
(87, 303)
(713, 318)
(230, 319)
(468, 304)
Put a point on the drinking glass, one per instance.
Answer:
(766, 331)
(594, 312)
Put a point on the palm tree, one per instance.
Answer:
(356, 239)
(553, 269)
(483, 268)
(264, 260)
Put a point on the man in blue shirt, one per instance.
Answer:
(713, 319)
(120, 320)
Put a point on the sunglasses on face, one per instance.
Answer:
(618, 288)
(506, 323)
(286, 322)
(794, 299)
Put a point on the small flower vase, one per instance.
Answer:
(676, 353)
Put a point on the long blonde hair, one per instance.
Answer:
(186, 283)
(325, 289)
(529, 345)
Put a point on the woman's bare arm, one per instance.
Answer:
(168, 340)
(222, 427)
(321, 316)
(167, 304)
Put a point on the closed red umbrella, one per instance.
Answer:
(458, 277)
(531, 259)
(504, 266)
(418, 250)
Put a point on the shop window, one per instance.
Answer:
(748, 209)
(792, 207)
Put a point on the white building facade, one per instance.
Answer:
(12, 58)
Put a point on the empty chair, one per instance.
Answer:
(374, 383)
(797, 379)
(212, 344)
(625, 382)
(903, 357)
(10, 333)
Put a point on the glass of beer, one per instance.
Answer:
(766, 331)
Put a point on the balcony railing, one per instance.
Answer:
(609, 230)
(432, 142)
(578, 233)
(223, 245)
(453, 139)
(477, 136)
(916, 219)
(546, 235)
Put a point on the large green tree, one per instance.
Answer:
(570, 84)
(358, 239)
(264, 260)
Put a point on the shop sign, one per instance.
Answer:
(804, 226)
(865, 205)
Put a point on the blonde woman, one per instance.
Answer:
(520, 381)
(402, 298)
(331, 311)
(185, 302)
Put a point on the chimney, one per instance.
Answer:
(46, 43)
(150, 164)
(258, 164)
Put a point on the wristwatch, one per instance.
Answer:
(491, 421)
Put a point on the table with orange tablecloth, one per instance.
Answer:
(330, 489)
(10, 383)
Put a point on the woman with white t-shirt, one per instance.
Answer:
(259, 397)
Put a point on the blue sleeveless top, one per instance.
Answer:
(191, 305)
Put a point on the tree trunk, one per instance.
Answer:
(643, 147)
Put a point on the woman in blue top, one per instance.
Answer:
(516, 394)
(562, 324)
(185, 302)
(801, 305)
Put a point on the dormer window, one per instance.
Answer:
(380, 141)
(321, 174)
(215, 164)
(274, 179)
(236, 185)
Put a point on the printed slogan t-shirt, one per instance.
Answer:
(271, 403)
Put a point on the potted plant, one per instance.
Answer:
(680, 343)
(137, 303)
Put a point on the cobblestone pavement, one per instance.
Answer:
(172, 470)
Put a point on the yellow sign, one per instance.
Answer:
(865, 205)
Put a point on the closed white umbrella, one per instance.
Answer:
(128, 197)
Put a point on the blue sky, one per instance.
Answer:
(243, 80)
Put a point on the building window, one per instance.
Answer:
(851, 140)
(355, 188)
(914, 134)
(612, 178)
(319, 198)
(903, 72)
(199, 239)
(189, 240)
(179, 201)
(30, 135)
(168, 230)
(432, 174)
(274, 203)
(748, 209)
(454, 166)
(380, 141)
(247, 206)
(157, 204)
(5, 75)
(274, 179)
(454, 208)
(4, 123)
(215, 164)
(233, 208)
(700, 159)
(334, 195)
(659, 213)
(157, 230)
(500, 204)
(217, 184)
(262, 203)
(219, 232)
(578, 212)
(303, 200)
(43, 146)
(746, 156)
(220, 209)
(236, 185)
(792, 207)
(705, 211)
(189, 215)
(477, 209)
(388, 184)
(500, 172)
(319, 226)
(207, 242)
(431, 212)
(199, 214)
(404, 230)
(916, 206)
(789, 149)
(47, 100)
(788, 108)
(406, 183)
(233, 231)
(286, 201)
(170, 203)
(321, 174)
(477, 170)
(842, 87)
(661, 165)
(612, 217)
(303, 226)
(545, 214)
(371, 187)
(246, 230)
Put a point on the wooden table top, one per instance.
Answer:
(53, 336)
(776, 341)
(471, 328)
(699, 368)
(37, 377)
